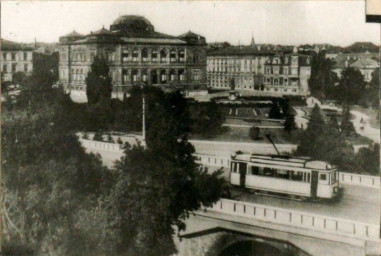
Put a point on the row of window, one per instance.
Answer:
(13, 56)
(13, 68)
(302, 176)
(280, 81)
(156, 76)
(140, 55)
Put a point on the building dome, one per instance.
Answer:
(131, 23)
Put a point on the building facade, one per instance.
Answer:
(256, 68)
(15, 58)
(366, 63)
(288, 74)
(136, 54)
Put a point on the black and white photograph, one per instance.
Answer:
(190, 128)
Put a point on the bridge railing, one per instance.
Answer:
(297, 219)
(357, 179)
(224, 161)
(344, 178)
(91, 144)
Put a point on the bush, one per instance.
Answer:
(98, 136)
(110, 139)
(254, 133)
(85, 136)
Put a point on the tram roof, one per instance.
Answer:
(284, 160)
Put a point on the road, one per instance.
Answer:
(358, 203)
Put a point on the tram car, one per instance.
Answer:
(299, 177)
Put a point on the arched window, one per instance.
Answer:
(144, 54)
(163, 76)
(125, 55)
(181, 74)
(135, 55)
(154, 78)
(144, 75)
(155, 55)
(125, 76)
(135, 75)
(172, 75)
(172, 55)
(182, 55)
(163, 56)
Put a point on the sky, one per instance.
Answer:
(274, 22)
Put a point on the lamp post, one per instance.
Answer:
(143, 116)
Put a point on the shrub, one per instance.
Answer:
(254, 133)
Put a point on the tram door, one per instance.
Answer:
(242, 174)
(314, 183)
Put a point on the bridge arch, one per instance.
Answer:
(235, 243)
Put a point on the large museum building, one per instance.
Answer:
(136, 55)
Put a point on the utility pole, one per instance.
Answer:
(143, 117)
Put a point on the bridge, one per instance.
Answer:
(347, 227)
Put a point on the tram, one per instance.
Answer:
(301, 177)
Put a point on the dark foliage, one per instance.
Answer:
(98, 82)
(254, 133)
(351, 85)
(275, 111)
(322, 78)
(157, 186)
(289, 124)
(46, 174)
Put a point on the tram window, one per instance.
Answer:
(323, 176)
(234, 168)
(269, 172)
(283, 174)
(309, 177)
(304, 176)
(333, 178)
(254, 170)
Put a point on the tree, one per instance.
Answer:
(275, 111)
(254, 133)
(46, 175)
(207, 118)
(352, 85)
(322, 78)
(289, 124)
(347, 128)
(309, 140)
(158, 185)
(369, 159)
(98, 82)
(323, 141)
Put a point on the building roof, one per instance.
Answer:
(344, 60)
(193, 38)
(73, 34)
(103, 31)
(365, 63)
(133, 28)
(240, 51)
(7, 45)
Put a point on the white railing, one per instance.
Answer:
(297, 219)
(344, 178)
(91, 144)
(361, 180)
